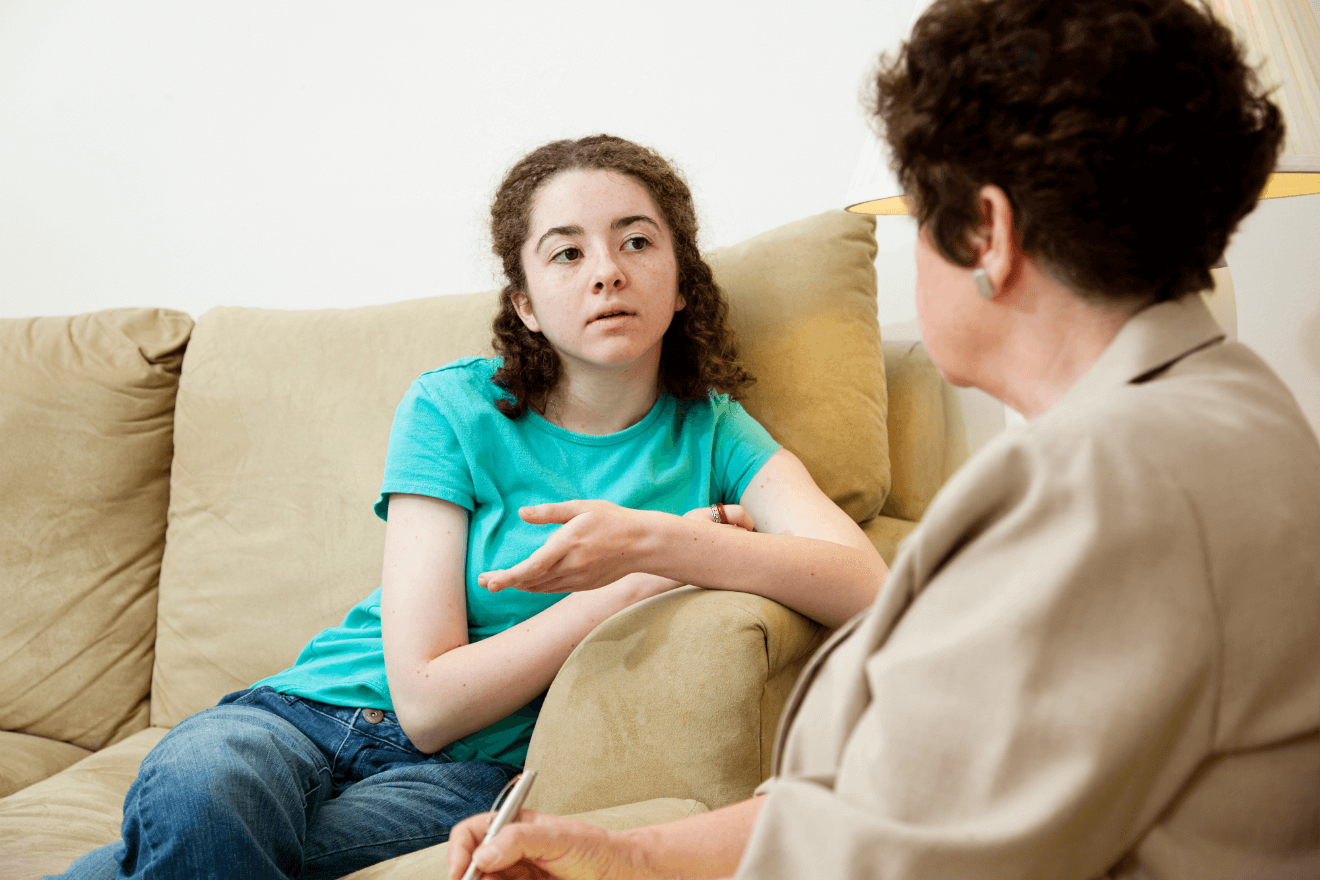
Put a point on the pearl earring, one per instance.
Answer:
(982, 282)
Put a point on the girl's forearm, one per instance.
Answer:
(469, 687)
(826, 581)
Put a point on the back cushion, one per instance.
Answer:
(283, 422)
(926, 433)
(802, 301)
(86, 423)
(284, 417)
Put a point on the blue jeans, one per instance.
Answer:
(270, 785)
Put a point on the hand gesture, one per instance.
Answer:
(599, 543)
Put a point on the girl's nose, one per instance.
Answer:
(608, 274)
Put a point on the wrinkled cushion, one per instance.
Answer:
(86, 417)
(44, 827)
(28, 759)
(677, 696)
(282, 424)
(802, 301)
(283, 420)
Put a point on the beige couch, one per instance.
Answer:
(183, 505)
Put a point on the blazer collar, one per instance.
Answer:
(1151, 339)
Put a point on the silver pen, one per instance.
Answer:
(506, 813)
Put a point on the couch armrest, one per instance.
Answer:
(676, 697)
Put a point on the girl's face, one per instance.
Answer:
(602, 280)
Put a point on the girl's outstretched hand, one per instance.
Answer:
(599, 543)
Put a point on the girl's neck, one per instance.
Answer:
(596, 404)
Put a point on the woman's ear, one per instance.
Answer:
(998, 250)
(523, 306)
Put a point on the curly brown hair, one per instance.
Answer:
(1129, 135)
(698, 353)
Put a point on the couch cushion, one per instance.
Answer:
(86, 417)
(29, 759)
(927, 439)
(802, 301)
(44, 827)
(283, 420)
(282, 425)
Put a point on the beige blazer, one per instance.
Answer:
(1099, 653)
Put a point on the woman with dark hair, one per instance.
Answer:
(610, 416)
(1096, 657)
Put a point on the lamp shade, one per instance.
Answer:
(1282, 40)
(873, 189)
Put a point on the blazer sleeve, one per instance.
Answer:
(1043, 695)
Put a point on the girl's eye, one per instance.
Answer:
(636, 243)
(567, 255)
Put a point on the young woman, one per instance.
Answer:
(527, 498)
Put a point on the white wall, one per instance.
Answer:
(335, 154)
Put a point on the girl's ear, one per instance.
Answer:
(523, 306)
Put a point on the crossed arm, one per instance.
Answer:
(807, 554)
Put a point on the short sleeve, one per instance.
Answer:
(426, 455)
(741, 447)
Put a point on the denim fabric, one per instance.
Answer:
(270, 785)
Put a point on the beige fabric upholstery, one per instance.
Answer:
(802, 300)
(678, 696)
(25, 759)
(44, 827)
(86, 413)
(282, 424)
(283, 420)
(886, 534)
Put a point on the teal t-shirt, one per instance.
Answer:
(450, 442)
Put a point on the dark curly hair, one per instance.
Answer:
(1129, 135)
(698, 353)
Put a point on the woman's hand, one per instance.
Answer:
(599, 544)
(541, 847)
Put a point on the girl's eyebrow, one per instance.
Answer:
(557, 230)
(577, 230)
(630, 220)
